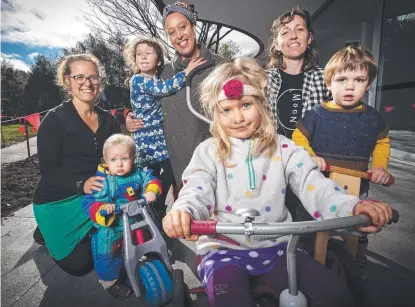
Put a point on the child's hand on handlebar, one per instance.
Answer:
(150, 196)
(176, 224)
(110, 208)
(379, 213)
(193, 64)
(379, 175)
(321, 163)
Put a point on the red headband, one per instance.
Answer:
(234, 89)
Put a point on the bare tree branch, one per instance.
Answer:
(115, 18)
(139, 17)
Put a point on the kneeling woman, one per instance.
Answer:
(70, 142)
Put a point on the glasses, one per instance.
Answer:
(81, 79)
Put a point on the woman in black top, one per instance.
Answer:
(295, 81)
(69, 142)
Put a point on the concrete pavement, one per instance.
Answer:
(403, 145)
(18, 151)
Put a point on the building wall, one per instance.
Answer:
(328, 42)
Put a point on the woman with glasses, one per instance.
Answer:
(70, 142)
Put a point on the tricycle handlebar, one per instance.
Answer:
(212, 227)
(119, 209)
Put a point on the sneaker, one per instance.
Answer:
(119, 290)
(38, 237)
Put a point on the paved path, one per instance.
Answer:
(18, 151)
(403, 145)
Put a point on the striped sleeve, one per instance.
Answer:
(149, 181)
(154, 186)
(93, 203)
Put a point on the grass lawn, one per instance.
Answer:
(10, 134)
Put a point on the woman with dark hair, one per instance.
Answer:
(182, 130)
(295, 81)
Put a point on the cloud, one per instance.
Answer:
(8, 5)
(6, 29)
(38, 14)
(40, 23)
(18, 64)
(33, 55)
(12, 55)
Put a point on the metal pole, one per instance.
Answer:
(3, 141)
(376, 46)
(27, 138)
(189, 105)
(292, 265)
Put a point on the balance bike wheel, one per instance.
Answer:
(156, 283)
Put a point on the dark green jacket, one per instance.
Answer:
(183, 131)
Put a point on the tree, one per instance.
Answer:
(126, 17)
(110, 52)
(41, 92)
(143, 18)
(229, 49)
(13, 82)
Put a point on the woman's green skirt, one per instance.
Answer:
(63, 224)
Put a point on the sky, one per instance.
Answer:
(29, 28)
(33, 27)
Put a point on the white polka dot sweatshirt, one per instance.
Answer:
(215, 190)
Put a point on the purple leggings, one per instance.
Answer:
(233, 286)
